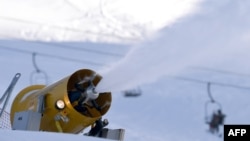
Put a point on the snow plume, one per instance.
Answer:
(212, 35)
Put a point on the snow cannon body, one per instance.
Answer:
(69, 105)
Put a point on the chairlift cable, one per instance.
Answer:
(212, 82)
(221, 71)
(51, 56)
(81, 49)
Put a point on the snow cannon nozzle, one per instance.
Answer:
(91, 93)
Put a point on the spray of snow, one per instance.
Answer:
(191, 41)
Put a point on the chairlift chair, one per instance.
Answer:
(132, 93)
(211, 106)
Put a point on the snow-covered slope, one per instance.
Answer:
(12, 135)
(211, 45)
(87, 20)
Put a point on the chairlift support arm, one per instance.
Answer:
(7, 93)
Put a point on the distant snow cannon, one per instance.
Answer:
(69, 105)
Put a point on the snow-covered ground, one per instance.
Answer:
(172, 69)
(87, 20)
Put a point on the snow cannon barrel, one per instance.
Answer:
(69, 105)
